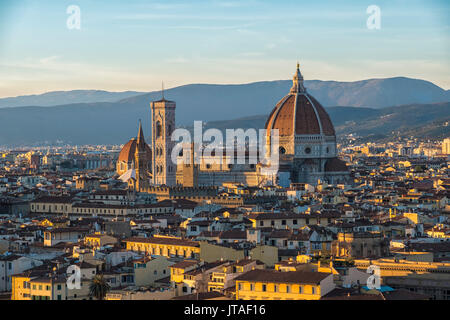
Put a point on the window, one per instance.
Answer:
(294, 221)
(288, 289)
(59, 297)
(59, 287)
(300, 289)
(313, 290)
(264, 288)
(283, 222)
(158, 129)
(275, 288)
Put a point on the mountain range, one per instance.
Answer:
(371, 106)
(373, 93)
(55, 98)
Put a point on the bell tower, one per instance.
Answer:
(141, 166)
(163, 124)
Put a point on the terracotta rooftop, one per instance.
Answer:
(283, 277)
(302, 114)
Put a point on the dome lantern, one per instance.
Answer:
(297, 82)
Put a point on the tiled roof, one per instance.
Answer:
(283, 277)
(184, 264)
(128, 151)
(310, 116)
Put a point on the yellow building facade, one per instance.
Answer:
(164, 246)
(275, 285)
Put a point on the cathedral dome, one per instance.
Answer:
(133, 150)
(300, 113)
(129, 149)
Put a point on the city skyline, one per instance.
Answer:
(226, 171)
(136, 46)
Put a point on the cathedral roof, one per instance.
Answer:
(300, 113)
(130, 173)
(335, 165)
(129, 149)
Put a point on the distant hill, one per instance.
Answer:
(215, 102)
(116, 123)
(400, 119)
(422, 120)
(111, 117)
(56, 98)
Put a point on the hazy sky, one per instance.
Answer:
(134, 45)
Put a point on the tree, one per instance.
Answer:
(98, 287)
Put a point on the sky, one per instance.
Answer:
(137, 44)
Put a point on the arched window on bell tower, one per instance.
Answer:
(158, 129)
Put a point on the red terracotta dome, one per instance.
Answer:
(300, 113)
(128, 151)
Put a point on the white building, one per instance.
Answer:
(13, 264)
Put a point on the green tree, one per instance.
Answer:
(98, 287)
